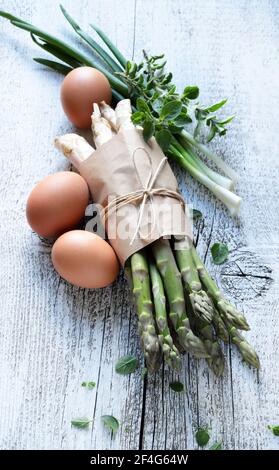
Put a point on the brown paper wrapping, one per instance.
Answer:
(121, 166)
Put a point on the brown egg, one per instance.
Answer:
(84, 259)
(57, 203)
(81, 88)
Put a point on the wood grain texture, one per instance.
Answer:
(54, 336)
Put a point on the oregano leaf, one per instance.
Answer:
(216, 446)
(202, 437)
(126, 365)
(220, 253)
(274, 429)
(196, 214)
(216, 106)
(81, 423)
(177, 387)
(111, 422)
(148, 130)
(191, 92)
(142, 106)
(89, 385)
(163, 138)
(171, 110)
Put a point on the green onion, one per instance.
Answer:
(62, 46)
(93, 44)
(58, 67)
(117, 54)
(231, 200)
(56, 52)
(199, 164)
(217, 160)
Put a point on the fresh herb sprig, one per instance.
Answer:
(164, 108)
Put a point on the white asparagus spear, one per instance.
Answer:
(123, 113)
(74, 147)
(101, 129)
(109, 114)
(77, 149)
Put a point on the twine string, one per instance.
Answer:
(142, 195)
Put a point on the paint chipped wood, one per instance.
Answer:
(55, 336)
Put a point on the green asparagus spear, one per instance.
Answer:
(226, 310)
(171, 277)
(142, 293)
(170, 351)
(202, 308)
(128, 273)
(216, 361)
(220, 327)
(248, 354)
(201, 303)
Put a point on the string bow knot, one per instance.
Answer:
(143, 194)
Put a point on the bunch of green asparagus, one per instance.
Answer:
(180, 308)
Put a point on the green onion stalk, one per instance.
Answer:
(159, 109)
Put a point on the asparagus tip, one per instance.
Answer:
(96, 110)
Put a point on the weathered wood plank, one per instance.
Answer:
(207, 42)
(54, 336)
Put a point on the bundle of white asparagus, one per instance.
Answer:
(180, 308)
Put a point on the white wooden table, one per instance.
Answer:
(54, 336)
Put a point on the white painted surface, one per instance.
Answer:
(54, 336)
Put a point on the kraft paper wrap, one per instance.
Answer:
(121, 166)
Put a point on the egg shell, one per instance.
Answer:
(57, 203)
(81, 88)
(85, 259)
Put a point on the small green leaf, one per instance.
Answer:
(177, 386)
(81, 423)
(142, 106)
(126, 365)
(202, 437)
(196, 214)
(89, 385)
(182, 120)
(111, 422)
(158, 57)
(191, 92)
(148, 130)
(144, 372)
(138, 117)
(157, 105)
(227, 120)
(216, 446)
(163, 138)
(171, 110)
(57, 66)
(220, 253)
(216, 106)
(128, 66)
(274, 429)
(211, 134)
